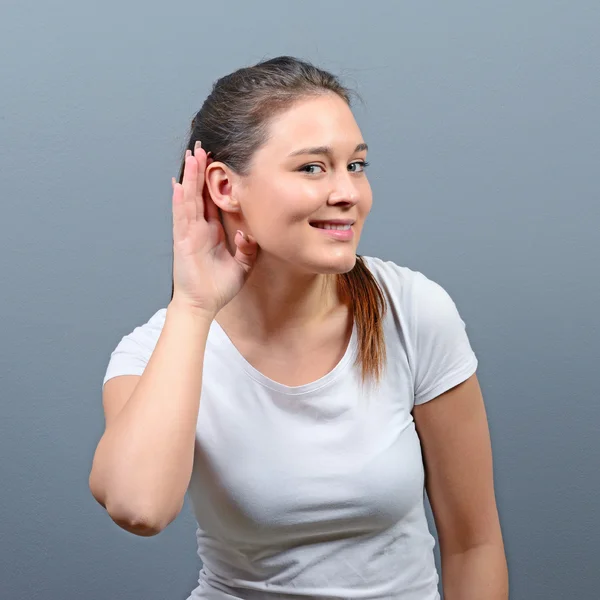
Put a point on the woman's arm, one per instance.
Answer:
(457, 455)
(143, 463)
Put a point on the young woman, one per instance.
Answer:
(305, 397)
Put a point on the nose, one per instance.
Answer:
(344, 191)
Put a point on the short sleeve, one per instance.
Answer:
(133, 352)
(442, 350)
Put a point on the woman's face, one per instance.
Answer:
(311, 169)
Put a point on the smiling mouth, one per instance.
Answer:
(330, 226)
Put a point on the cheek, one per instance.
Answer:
(272, 214)
(292, 200)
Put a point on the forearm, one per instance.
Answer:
(144, 460)
(479, 573)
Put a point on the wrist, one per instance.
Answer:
(190, 312)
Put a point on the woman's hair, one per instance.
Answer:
(233, 124)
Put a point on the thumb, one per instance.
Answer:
(246, 250)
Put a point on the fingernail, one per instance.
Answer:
(242, 234)
(197, 145)
(188, 153)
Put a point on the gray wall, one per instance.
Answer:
(484, 128)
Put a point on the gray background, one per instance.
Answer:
(483, 124)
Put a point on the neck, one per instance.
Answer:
(276, 302)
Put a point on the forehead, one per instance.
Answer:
(322, 121)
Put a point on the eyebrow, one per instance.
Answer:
(326, 150)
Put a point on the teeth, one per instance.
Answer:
(329, 226)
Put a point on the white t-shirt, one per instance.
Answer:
(317, 491)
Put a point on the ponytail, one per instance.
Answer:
(368, 308)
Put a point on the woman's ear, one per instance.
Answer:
(221, 183)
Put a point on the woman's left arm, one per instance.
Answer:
(457, 455)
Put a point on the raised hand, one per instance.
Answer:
(206, 276)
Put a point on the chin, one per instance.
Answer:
(336, 265)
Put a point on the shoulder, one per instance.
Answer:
(438, 346)
(394, 280)
(397, 277)
(422, 303)
(401, 281)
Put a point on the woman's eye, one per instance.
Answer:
(360, 163)
(310, 167)
(359, 167)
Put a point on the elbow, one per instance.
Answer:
(140, 526)
(143, 523)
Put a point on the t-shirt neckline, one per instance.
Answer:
(265, 381)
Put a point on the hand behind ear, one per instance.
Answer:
(206, 276)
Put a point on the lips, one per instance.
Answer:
(333, 222)
(336, 233)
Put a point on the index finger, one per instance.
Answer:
(201, 158)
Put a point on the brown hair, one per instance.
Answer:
(233, 123)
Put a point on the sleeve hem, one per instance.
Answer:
(129, 371)
(448, 382)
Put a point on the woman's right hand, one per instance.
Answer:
(205, 274)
